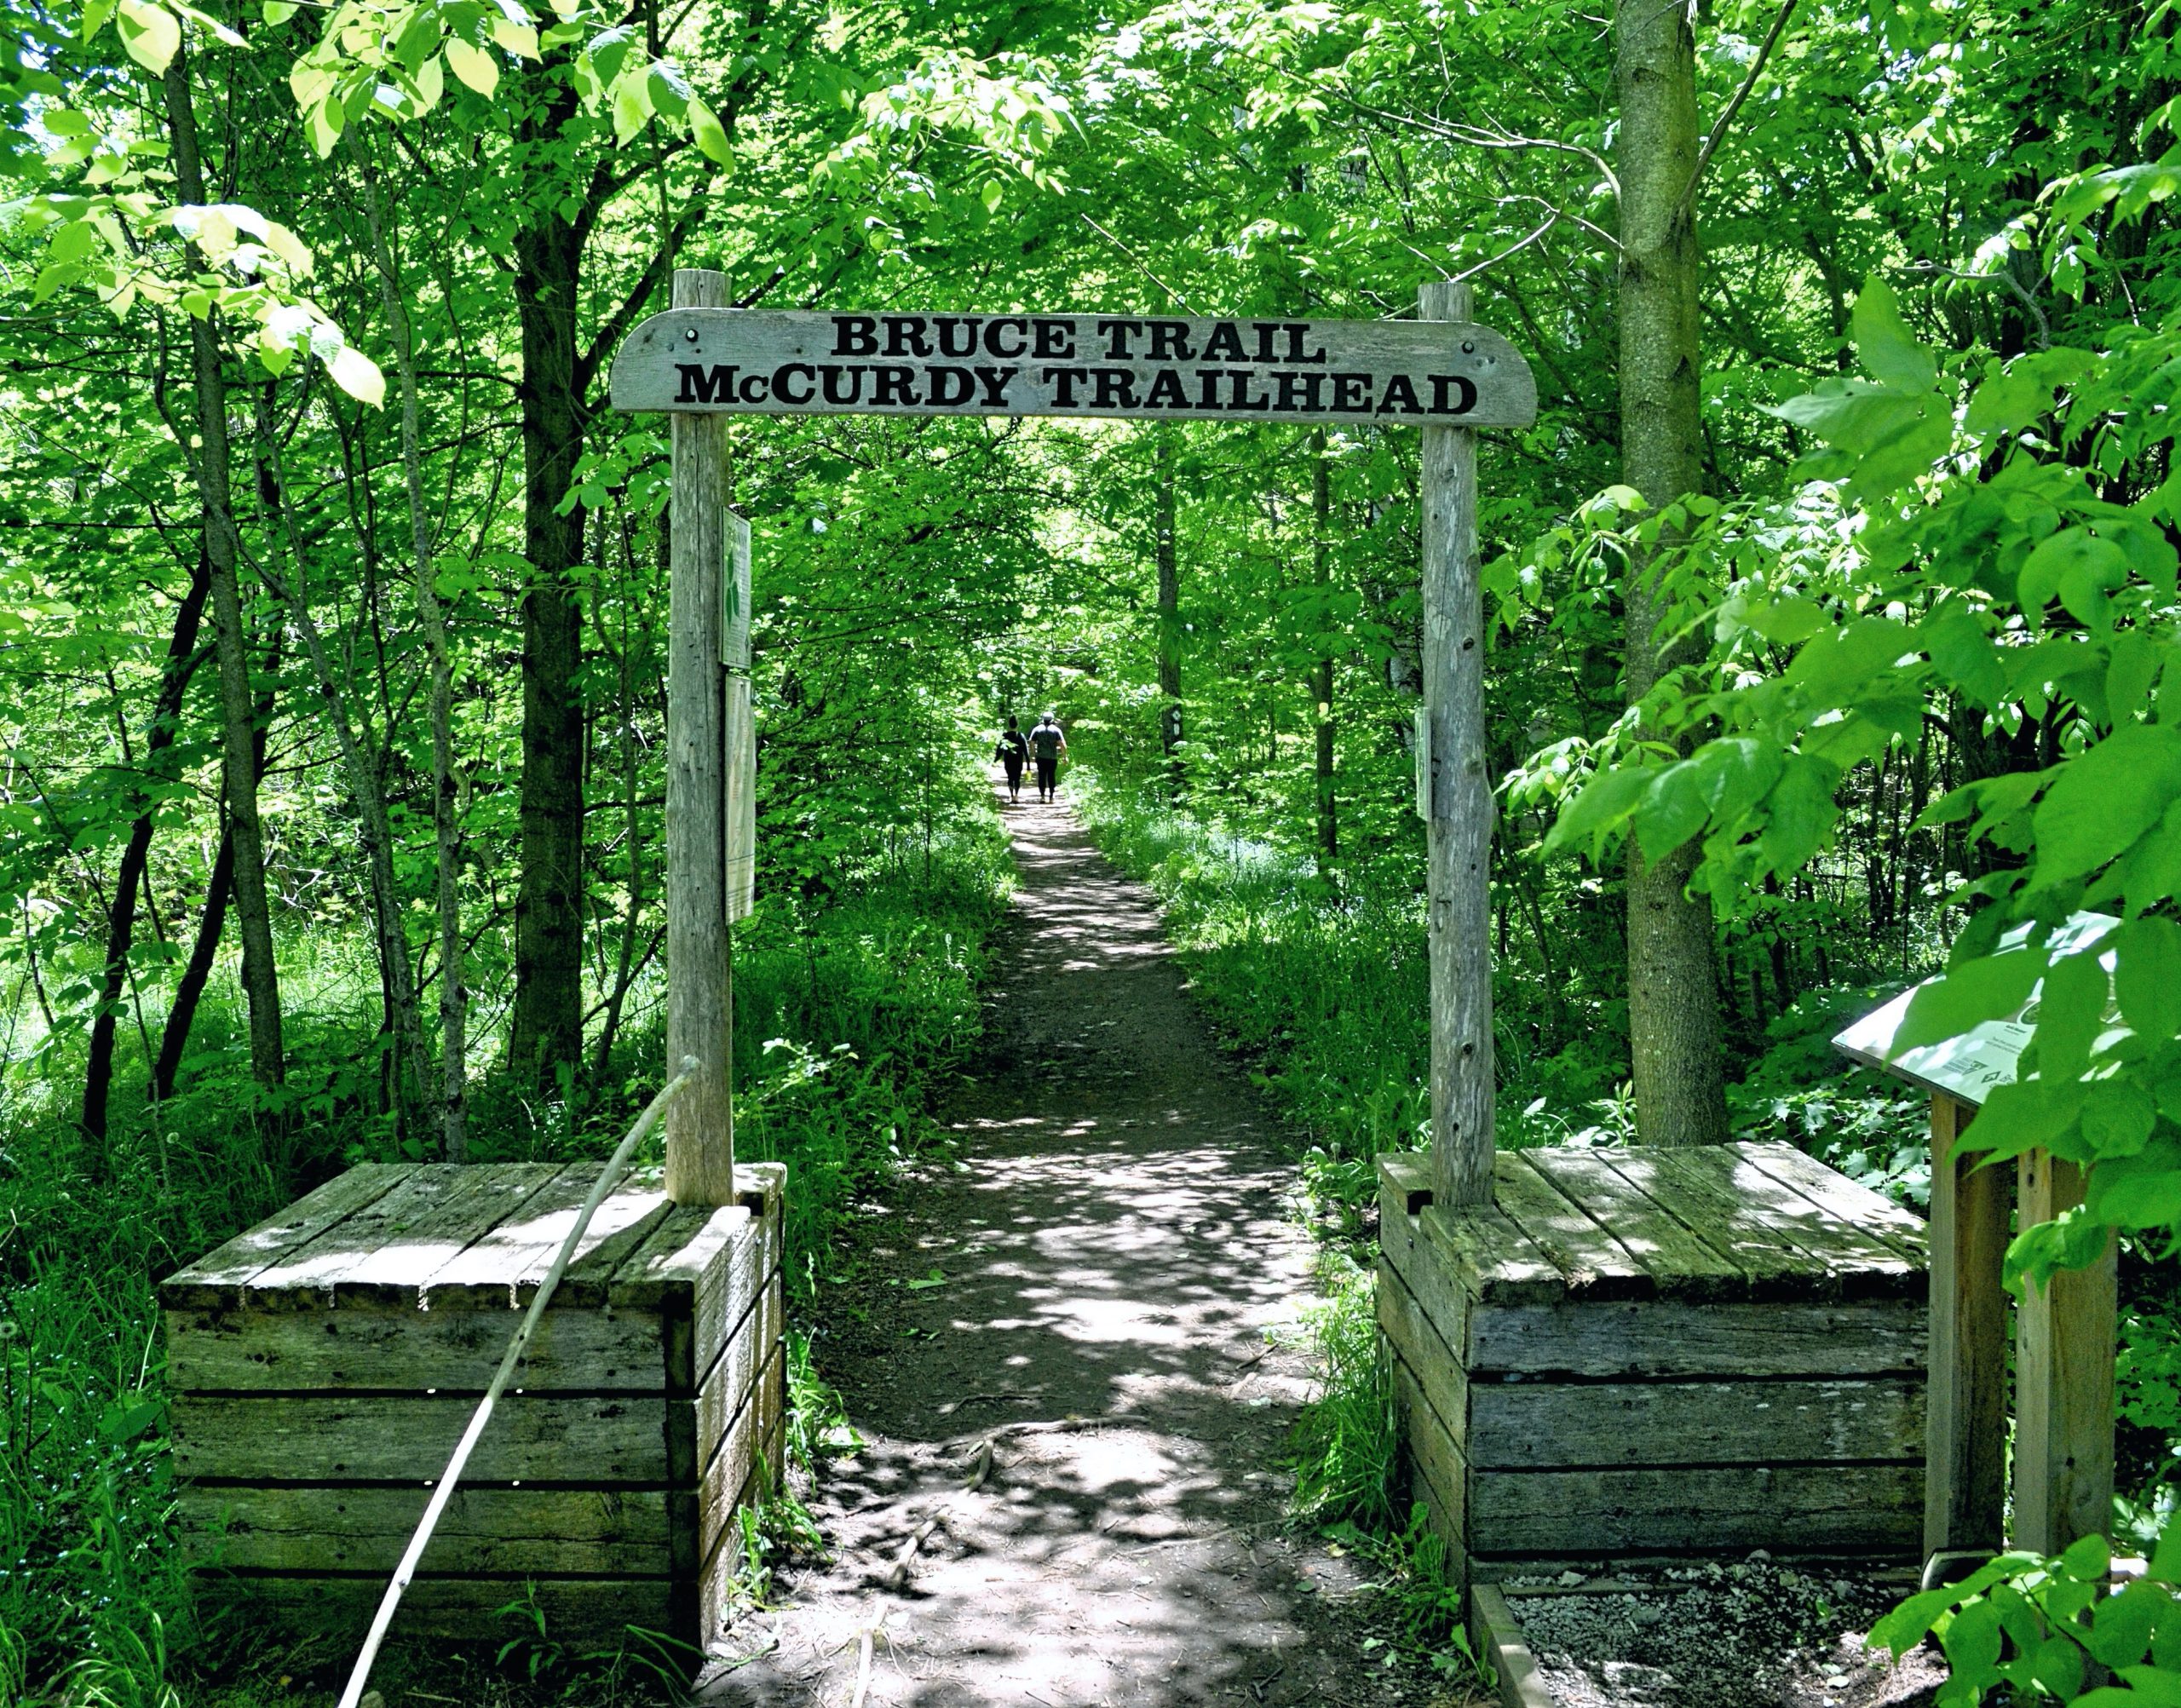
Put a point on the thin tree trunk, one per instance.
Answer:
(212, 923)
(1673, 980)
(546, 1032)
(447, 822)
(212, 464)
(1170, 621)
(180, 665)
(625, 969)
(1321, 677)
(403, 1018)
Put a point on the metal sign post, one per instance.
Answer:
(700, 361)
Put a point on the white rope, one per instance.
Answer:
(608, 1177)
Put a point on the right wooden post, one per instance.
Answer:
(1966, 1479)
(2064, 1379)
(1458, 816)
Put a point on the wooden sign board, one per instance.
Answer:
(740, 726)
(1967, 1067)
(1440, 373)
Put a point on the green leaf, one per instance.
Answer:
(516, 37)
(709, 133)
(1601, 810)
(2088, 1561)
(2117, 1118)
(278, 12)
(357, 375)
(1884, 343)
(1964, 655)
(2021, 1116)
(150, 33)
(2104, 799)
(2071, 560)
(1988, 987)
(1971, 1642)
(632, 106)
(476, 69)
(2147, 976)
(2134, 666)
(2070, 1013)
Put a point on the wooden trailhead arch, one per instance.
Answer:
(700, 360)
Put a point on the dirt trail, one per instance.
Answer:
(1114, 1252)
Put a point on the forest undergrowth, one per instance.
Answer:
(1322, 988)
(849, 1016)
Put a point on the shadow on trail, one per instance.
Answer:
(1108, 1260)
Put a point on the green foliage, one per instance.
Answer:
(1347, 1443)
(2034, 1629)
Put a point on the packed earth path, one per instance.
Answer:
(1075, 1429)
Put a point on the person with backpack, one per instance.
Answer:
(1047, 744)
(1013, 752)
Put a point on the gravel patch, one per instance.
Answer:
(1755, 1634)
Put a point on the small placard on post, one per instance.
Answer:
(1420, 746)
(738, 726)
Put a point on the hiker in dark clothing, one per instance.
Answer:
(1013, 752)
(1047, 744)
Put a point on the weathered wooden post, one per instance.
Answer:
(2064, 1378)
(700, 994)
(1458, 803)
(1966, 1484)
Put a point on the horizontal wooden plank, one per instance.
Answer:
(533, 1438)
(1488, 1257)
(451, 1351)
(1776, 1265)
(1592, 1263)
(1838, 1196)
(1861, 1264)
(501, 1269)
(1672, 1337)
(1875, 1511)
(767, 361)
(1683, 1262)
(717, 1579)
(580, 1612)
(217, 1277)
(498, 1530)
(1549, 1425)
(1430, 1278)
(1410, 1335)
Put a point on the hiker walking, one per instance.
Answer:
(1014, 753)
(1047, 744)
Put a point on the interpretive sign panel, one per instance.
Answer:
(752, 361)
(1967, 1067)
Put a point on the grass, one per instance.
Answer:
(848, 1017)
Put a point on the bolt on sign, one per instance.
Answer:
(700, 361)
(759, 362)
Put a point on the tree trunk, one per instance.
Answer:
(1170, 621)
(1321, 677)
(1673, 988)
(121, 921)
(446, 823)
(238, 707)
(546, 1032)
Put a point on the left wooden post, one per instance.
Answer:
(700, 992)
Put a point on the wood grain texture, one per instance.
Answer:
(452, 1351)
(504, 1268)
(1965, 1494)
(1655, 1337)
(490, 1529)
(700, 997)
(581, 1612)
(321, 1438)
(1832, 1192)
(2064, 1379)
(750, 1347)
(1488, 1257)
(1441, 1477)
(1418, 1345)
(776, 362)
(1860, 1264)
(1535, 1425)
(1497, 1637)
(1875, 1511)
(217, 1277)
(736, 1457)
(1457, 829)
(1689, 1182)
(1591, 1263)
(1682, 1263)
